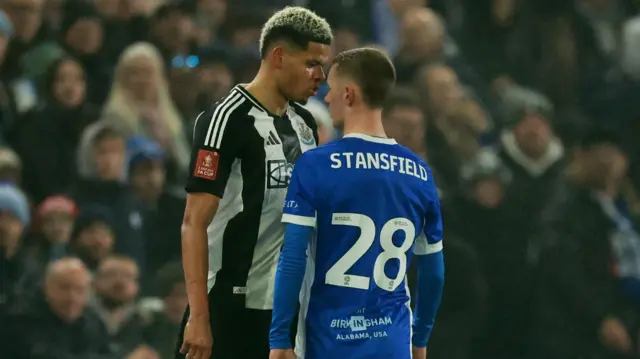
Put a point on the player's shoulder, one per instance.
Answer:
(231, 109)
(408, 153)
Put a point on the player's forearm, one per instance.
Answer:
(195, 259)
(289, 278)
(429, 293)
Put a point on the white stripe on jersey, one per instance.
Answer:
(216, 118)
(195, 123)
(224, 122)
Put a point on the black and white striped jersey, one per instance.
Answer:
(244, 154)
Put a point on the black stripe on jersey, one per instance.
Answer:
(220, 117)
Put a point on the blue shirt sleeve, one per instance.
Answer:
(428, 250)
(289, 278)
(430, 239)
(299, 204)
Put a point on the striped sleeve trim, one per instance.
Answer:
(299, 220)
(220, 117)
(422, 248)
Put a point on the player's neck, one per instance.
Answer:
(367, 122)
(265, 90)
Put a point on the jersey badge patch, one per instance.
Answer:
(306, 135)
(206, 165)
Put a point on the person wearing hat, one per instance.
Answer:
(54, 219)
(14, 219)
(591, 267)
(164, 208)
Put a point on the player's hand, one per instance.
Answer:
(615, 336)
(418, 353)
(282, 354)
(198, 339)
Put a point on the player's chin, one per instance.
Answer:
(301, 99)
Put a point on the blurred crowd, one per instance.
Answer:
(526, 110)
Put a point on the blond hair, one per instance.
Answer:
(300, 21)
(125, 112)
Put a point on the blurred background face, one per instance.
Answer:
(344, 39)
(176, 302)
(173, 31)
(488, 192)
(216, 80)
(26, 16)
(605, 165)
(110, 158)
(117, 282)
(11, 229)
(69, 86)
(85, 36)
(68, 293)
(148, 180)
(301, 72)
(443, 88)
(213, 10)
(422, 35)
(533, 135)
(107, 8)
(406, 125)
(57, 227)
(95, 242)
(140, 78)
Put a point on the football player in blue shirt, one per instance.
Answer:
(356, 210)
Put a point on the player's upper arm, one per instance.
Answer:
(430, 239)
(217, 140)
(300, 204)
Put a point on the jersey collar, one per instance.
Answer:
(362, 136)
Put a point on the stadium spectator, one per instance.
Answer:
(14, 219)
(102, 169)
(59, 323)
(585, 304)
(52, 229)
(57, 124)
(115, 302)
(162, 326)
(139, 104)
(92, 237)
(404, 121)
(163, 207)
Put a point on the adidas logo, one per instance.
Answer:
(272, 139)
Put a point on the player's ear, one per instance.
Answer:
(349, 95)
(277, 57)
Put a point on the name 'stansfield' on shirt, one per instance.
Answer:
(378, 161)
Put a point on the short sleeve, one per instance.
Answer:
(299, 205)
(217, 138)
(430, 239)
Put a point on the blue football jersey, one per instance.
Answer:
(373, 204)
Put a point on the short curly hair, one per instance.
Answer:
(297, 26)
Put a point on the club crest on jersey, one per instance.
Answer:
(306, 135)
(278, 173)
